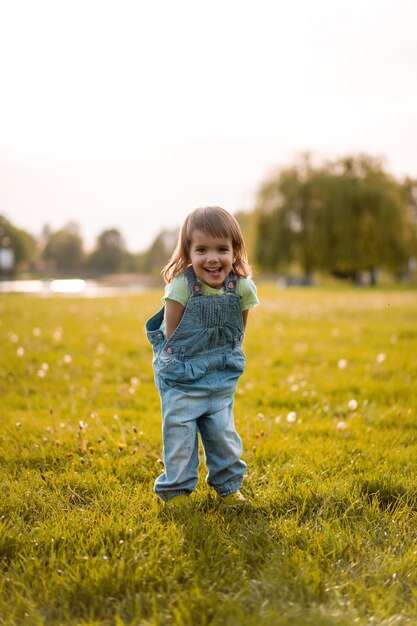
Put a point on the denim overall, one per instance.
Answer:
(196, 373)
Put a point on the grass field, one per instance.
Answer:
(327, 410)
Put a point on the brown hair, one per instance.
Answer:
(216, 222)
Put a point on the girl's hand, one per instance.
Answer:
(173, 314)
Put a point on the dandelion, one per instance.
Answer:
(341, 425)
(18, 424)
(14, 338)
(134, 381)
(381, 358)
(342, 364)
(67, 358)
(352, 405)
(277, 419)
(295, 387)
(57, 334)
(41, 373)
(292, 416)
(45, 367)
(82, 425)
(20, 351)
(36, 332)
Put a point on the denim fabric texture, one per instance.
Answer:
(196, 373)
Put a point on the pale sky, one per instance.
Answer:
(129, 114)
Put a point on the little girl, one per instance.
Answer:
(197, 344)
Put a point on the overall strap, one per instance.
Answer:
(195, 285)
(230, 283)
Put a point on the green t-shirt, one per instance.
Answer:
(178, 289)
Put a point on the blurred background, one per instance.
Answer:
(119, 118)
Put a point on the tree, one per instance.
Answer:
(160, 251)
(64, 248)
(346, 216)
(22, 243)
(110, 251)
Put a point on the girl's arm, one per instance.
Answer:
(245, 317)
(173, 314)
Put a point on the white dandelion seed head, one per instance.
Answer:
(20, 351)
(352, 404)
(45, 367)
(41, 373)
(381, 358)
(342, 364)
(14, 338)
(36, 332)
(57, 334)
(341, 425)
(82, 425)
(292, 416)
(67, 358)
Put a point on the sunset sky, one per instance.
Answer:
(129, 114)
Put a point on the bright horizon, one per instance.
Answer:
(131, 114)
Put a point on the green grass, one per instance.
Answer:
(331, 536)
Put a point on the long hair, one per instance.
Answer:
(215, 222)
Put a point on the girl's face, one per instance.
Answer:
(211, 257)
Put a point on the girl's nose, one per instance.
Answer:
(212, 255)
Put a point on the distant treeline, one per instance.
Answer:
(347, 217)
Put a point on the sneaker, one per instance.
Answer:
(233, 499)
(178, 501)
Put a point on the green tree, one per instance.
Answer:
(159, 252)
(110, 252)
(64, 248)
(346, 216)
(22, 243)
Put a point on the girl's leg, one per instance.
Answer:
(223, 449)
(180, 439)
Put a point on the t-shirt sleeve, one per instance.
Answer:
(246, 288)
(177, 290)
